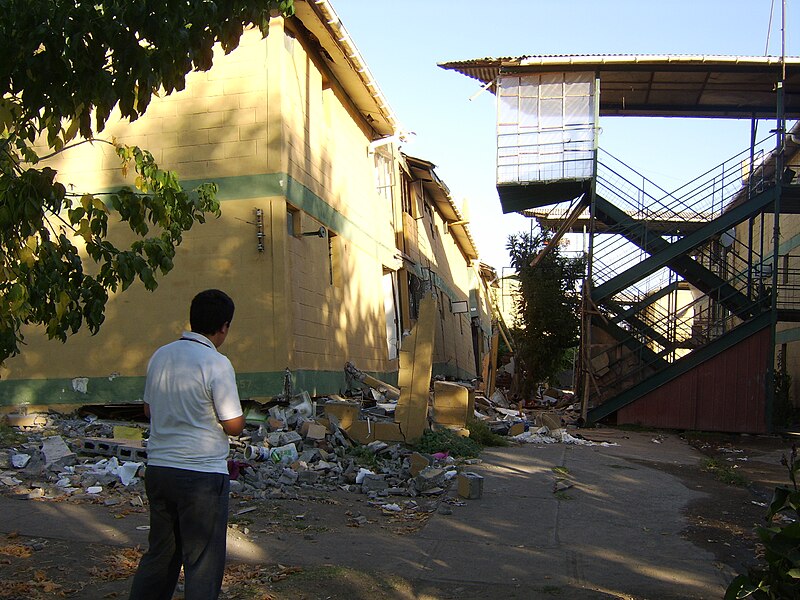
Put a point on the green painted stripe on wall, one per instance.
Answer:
(99, 390)
(243, 187)
(129, 390)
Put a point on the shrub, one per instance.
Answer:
(480, 432)
(780, 577)
(444, 440)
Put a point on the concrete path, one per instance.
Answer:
(614, 534)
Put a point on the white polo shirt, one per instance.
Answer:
(190, 388)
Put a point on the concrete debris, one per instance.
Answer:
(470, 485)
(20, 461)
(545, 436)
(294, 446)
(55, 450)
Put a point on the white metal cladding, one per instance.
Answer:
(545, 127)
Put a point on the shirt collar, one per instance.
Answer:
(197, 337)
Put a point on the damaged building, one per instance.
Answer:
(330, 238)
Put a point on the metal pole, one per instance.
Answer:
(780, 143)
(586, 338)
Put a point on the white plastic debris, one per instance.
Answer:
(94, 489)
(125, 471)
(545, 436)
(362, 472)
(392, 507)
(284, 455)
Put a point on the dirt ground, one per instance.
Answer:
(738, 477)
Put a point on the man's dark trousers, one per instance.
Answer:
(188, 526)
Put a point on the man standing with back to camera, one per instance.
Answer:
(191, 399)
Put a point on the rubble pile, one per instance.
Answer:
(292, 445)
(79, 459)
(42, 458)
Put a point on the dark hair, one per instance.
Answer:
(210, 310)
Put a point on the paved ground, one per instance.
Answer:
(615, 533)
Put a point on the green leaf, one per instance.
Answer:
(740, 587)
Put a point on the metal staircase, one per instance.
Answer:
(677, 277)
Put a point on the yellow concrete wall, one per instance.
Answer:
(339, 318)
(218, 126)
(454, 277)
(265, 124)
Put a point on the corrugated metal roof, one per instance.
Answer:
(664, 84)
(440, 194)
(348, 66)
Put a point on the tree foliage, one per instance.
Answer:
(67, 64)
(548, 306)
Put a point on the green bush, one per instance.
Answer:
(364, 457)
(779, 578)
(480, 432)
(444, 440)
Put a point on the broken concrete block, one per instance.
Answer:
(55, 449)
(274, 438)
(313, 431)
(470, 485)
(365, 432)
(290, 437)
(516, 429)
(275, 423)
(418, 462)
(31, 420)
(101, 446)
(451, 405)
(288, 477)
(377, 446)
(134, 452)
(122, 432)
(374, 483)
(309, 455)
(307, 476)
(429, 478)
(345, 412)
(20, 461)
(323, 465)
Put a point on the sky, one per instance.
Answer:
(402, 42)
